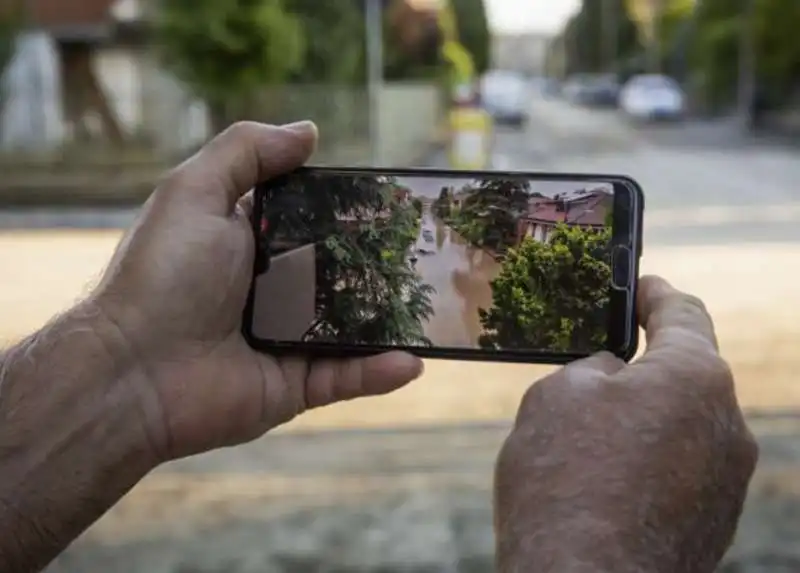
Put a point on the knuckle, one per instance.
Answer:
(695, 304)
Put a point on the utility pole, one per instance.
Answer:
(655, 9)
(611, 34)
(747, 64)
(374, 31)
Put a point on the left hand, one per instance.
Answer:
(172, 298)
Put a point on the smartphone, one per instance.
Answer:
(498, 266)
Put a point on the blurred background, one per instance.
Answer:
(699, 100)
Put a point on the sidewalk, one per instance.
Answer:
(750, 289)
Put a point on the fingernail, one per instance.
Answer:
(301, 126)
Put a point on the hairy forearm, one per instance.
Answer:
(69, 445)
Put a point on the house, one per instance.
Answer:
(111, 87)
(585, 208)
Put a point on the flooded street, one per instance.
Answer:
(460, 274)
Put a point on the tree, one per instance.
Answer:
(586, 36)
(443, 204)
(367, 290)
(473, 31)
(552, 296)
(227, 51)
(418, 206)
(489, 215)
(10, 22)
(334, 41)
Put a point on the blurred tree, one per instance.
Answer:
(586, 35)
(334, 40)
(716, 49)
(473, 31)
(418, 206)
(227, 51)
(442, 205)
(367, 291)
(412, 43)
(551, 296)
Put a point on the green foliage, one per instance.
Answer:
(585, 37)
(489, 215)
(716, 49)
(418, 206)
(442, 206)
(473, 31)
(334, 39)
(367, 291)
(9, 26)
(227, 51)
(552, 295)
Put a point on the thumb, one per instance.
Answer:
(239, 158)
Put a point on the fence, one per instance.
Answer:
(131, 118)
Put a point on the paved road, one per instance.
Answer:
(704, 184)
(698, 191)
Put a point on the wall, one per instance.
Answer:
(30, 91)
(410, 118)
(154, 108)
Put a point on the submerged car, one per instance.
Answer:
(652, 97)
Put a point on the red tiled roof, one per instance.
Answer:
(590, 211)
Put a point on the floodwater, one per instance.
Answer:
(460, 273)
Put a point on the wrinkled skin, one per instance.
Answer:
(640, 467)
(175, 290)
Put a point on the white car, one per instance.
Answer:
(651, 97)
(506, 96)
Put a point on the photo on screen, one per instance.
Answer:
(500, 263)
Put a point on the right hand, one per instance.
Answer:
(628, 468)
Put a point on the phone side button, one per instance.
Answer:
(620, 267)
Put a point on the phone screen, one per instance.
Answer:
(450, 263)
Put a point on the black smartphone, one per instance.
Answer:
(498, 266)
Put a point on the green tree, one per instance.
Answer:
(10, 22)
(551, 296)
(418, 206)
(227, 51)
(334, 41)
(443, 204)
(367, 290)
(490, 214)
(585, 37)
(473, 31)
(716, 48)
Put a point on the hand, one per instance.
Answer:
(624, 468)
(174, 292)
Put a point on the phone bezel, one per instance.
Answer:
(623, 332)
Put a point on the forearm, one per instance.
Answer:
(69, 445)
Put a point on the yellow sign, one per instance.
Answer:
(471, 134)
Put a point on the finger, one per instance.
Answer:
(598, 363)
(245, 205)
(673, 319)
(584, 374)
(243, 155)
(332, 381)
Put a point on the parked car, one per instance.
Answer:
(652, 97)
(602, 91)
(505, 95)
(576, 88)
